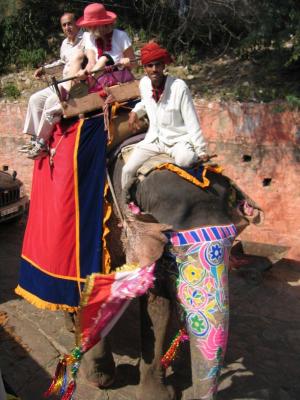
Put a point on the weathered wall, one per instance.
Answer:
(257, 144)
(272, 176)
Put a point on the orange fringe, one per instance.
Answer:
(185, 175)
(106, 259)
(45, 305)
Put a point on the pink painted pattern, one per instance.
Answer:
(216, 339)
(202, 288)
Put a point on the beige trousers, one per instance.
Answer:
(43, 111)
(183, 153)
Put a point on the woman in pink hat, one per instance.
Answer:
(102, 44)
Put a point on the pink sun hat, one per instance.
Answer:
(95, 14)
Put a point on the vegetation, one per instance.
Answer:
(263, 35)
(30, 58)
(10, 91)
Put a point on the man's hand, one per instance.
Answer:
(39, 72)
(81, 75)
(133, 121)
(124, 61)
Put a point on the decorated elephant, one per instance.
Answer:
(200, 218)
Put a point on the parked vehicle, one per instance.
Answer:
(13, 198)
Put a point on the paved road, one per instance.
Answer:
(262, 362)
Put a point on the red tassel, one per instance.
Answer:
(70, 391)
(58, 378)
(171, 352)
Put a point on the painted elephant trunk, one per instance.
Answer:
(202, 256)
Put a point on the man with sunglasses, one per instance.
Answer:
(174, 127)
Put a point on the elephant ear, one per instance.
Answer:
(144, 242)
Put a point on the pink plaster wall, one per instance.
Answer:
(271, 137)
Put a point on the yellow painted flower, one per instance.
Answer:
(191, 274)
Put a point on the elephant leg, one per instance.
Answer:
(69, 318)
(155, 313)
(98, 365)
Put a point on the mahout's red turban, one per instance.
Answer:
(153, 52)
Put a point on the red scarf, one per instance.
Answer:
(104, 45)
(157, 92)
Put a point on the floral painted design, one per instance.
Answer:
(214, 344)
(215, 253)
(191, 274)
(193, 299)
(198, 324)
(202, 287)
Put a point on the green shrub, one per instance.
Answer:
(31, 58)
(293, 102)
(11, 91)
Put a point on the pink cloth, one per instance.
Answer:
(110, 79)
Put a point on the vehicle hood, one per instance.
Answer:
(7, 182)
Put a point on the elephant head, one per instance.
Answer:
(171, 201)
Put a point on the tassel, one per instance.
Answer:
(171, 352)
(74, 359)
(59, 382)
(64, 384)
(59, 379)
(70, 391)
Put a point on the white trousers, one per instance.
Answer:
(43, 111)
(183, 153)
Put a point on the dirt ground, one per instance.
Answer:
(263, 357)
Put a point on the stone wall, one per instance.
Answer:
(257, 144)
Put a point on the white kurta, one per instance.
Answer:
(174, 127)
(173, 118)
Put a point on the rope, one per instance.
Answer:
(113, 193)
(53, 151)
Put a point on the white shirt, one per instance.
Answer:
(67, 50)
(119, 43)
(173, 118)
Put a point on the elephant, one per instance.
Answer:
(196, 292)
